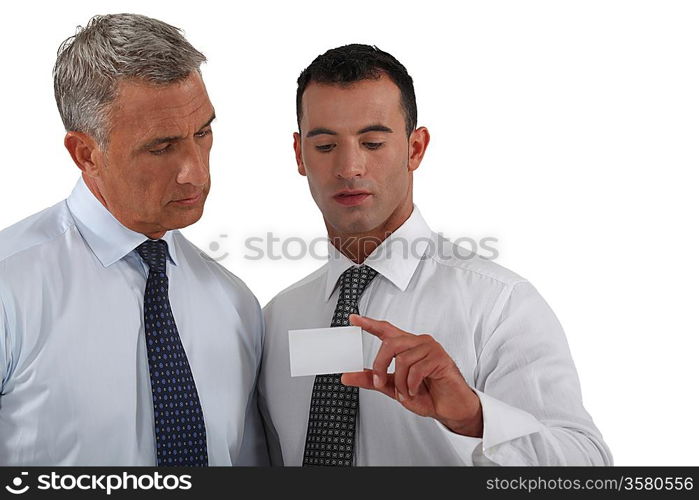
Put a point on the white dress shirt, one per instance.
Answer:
(73, 361)
(504, 338)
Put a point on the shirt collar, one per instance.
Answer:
(108, 239)
(396, 258)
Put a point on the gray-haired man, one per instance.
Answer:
(120, 343)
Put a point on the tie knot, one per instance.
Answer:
(354, 281)
(154, 253)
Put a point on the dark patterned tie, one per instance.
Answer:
(180, 434)
(334, 407)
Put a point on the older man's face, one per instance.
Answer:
(154, 174)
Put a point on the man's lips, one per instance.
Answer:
(351, 198)
(189, 201)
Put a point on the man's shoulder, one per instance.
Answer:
(455, 258)
(200, 261)
(301, 288)
(36, 230)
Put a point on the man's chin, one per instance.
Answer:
(182, 220)
(354, 225)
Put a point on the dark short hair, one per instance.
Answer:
(352, 63)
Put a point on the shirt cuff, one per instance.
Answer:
(463, 446)
(501, 423)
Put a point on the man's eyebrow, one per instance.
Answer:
(213, 117)
(371, 128)
(174, 138)
(161, 140)
(375, 128)
(319, 131)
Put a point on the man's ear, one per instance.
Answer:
(417, 144)
(85, 152)
(299, 156)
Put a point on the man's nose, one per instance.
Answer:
(195, 166)
(349, 163)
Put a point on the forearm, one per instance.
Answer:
(471, 423)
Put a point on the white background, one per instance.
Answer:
(567, 130)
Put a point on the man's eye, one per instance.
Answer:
(324, 148)
(202, 133)
(373, 145)
(161, 150)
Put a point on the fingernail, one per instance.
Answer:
(401, 398)
(377, 381)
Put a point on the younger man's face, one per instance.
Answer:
(354, 151)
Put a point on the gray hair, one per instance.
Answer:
(112, 48)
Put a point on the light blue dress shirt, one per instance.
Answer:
(75, 387)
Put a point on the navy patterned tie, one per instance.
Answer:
(180, 434)
(332, 418)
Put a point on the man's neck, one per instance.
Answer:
(94, 189)
(358, 246)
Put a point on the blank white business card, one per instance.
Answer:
(319, 351)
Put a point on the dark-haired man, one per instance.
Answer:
(483, 374)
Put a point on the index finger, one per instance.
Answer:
(381, 329)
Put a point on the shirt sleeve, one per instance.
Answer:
(4, 349)
(253, 449)
(530, 393)
(273, 442)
